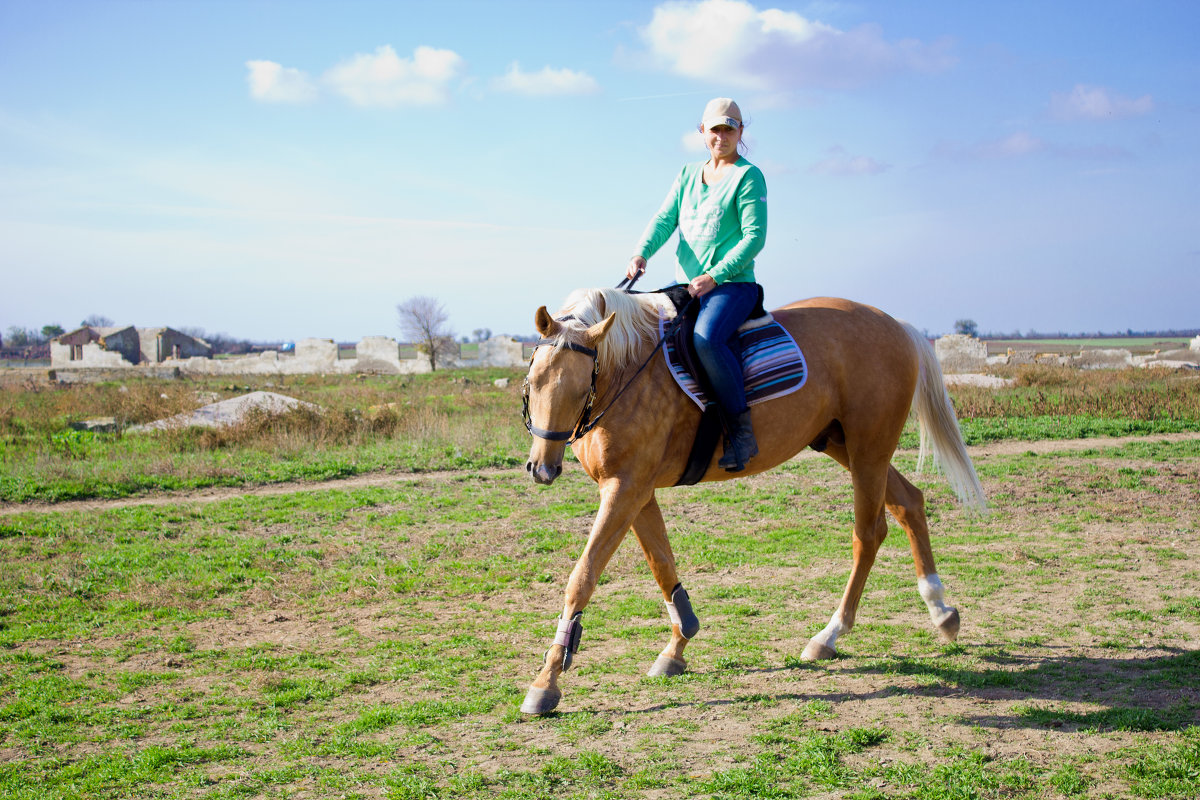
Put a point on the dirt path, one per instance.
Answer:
(383, 479)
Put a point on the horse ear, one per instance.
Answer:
(600, 329)
(546, 325)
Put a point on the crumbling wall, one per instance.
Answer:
(1102, 359)
(379, 354)
(95, 356)
(316, 355)
(961, 353)
(500, 351)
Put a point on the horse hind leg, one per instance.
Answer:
(870, 529)
(907, 504)
(651, 533)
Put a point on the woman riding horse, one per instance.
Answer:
(600, 368)
(720, 209)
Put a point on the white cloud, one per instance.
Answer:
(546, 82)
(731, 41)
(274, 83)
(693, 142)
(1014, 145)
(384, 79)
(1096, 102)
(839, 162)
(1022, 144)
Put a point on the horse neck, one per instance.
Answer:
(648, 366)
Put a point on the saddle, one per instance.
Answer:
(773, 364)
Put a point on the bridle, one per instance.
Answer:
(585, 423)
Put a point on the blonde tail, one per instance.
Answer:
(939, 427)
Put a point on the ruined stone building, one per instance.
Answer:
(123, 347)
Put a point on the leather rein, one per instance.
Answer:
(585, 423)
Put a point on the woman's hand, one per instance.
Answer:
(637, 265)
(701, 285)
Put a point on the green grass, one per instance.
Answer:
(376, 642)
(447, 421)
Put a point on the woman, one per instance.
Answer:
(720, 209)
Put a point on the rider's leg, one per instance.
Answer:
(721, 312)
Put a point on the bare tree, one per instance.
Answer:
(423, 322)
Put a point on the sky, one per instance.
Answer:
(281, 170)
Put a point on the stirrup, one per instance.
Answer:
(741, 446)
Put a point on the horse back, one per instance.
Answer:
(862, 364)
(840, 334)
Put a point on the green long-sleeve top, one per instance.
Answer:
(721, 227)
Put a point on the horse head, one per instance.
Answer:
(560, 390)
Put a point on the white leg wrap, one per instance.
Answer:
(562, 636)
(828, 636)
(934, 595)
(673, 613)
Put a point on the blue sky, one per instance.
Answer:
(278, 170)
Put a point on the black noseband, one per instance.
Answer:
(584, 423)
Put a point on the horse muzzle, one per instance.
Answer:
(543, 473)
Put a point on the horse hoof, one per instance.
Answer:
(815, 651)
(948, 625)
(667, 666)
(540, 701)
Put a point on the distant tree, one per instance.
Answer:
(482, 334)
(97, 321)
(967, 327)
(423, 322)
(20, 337)
(50, 331)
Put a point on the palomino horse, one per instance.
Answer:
(600, 381)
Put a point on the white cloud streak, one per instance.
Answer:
(1023, 144)
(273, 83)
(547, 81)
(839, 162)
(1097, 103)
(731, 41)
(384, 79)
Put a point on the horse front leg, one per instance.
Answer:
(652, 535)
(618, 508)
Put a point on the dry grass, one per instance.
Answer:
(1043, 390)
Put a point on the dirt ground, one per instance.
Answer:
(1040, 643)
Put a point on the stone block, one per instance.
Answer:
(1103, 359)
(959, 353)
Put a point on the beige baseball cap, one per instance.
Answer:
(721, 111)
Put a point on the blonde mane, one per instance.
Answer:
(635, 326)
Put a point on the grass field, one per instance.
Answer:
(447, 420)
(375, 642)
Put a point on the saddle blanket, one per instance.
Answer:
(772, 364)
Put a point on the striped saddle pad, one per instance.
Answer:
(771, 362)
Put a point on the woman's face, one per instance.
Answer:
(722, 141)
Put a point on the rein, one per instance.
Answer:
(586, 422)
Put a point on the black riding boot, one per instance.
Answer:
(741, 446)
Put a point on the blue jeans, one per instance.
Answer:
(722, 311)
